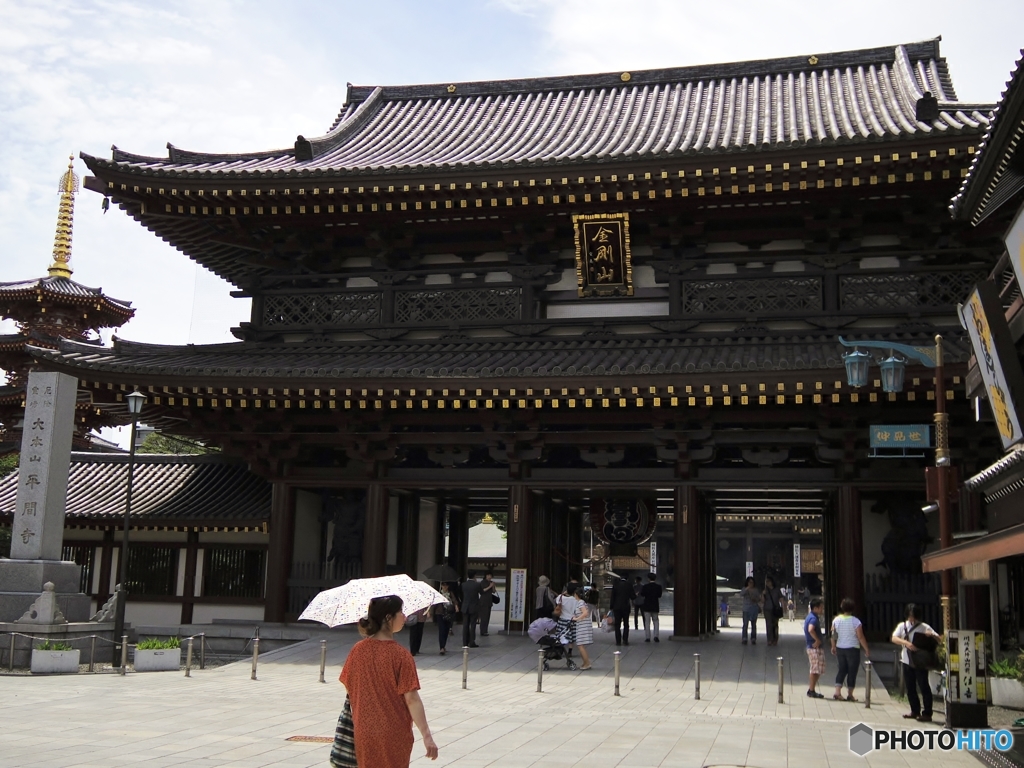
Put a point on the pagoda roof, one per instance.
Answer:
(166, 489)
(997, 171)
(63, 290)
(538, 358)
(849, 97)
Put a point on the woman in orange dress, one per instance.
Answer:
(383, 690)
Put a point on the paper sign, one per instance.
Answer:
(517, 595)
(796, 560)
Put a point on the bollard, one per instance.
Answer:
(781, 678)
(124, 654)
(202, 650)
(10, 659)
(188, 659)
(618, 658)
(255, 655)
(540, 671)
(897, 666)
(323, 659)
(696, 676)
(465, 665)
(867, 684)
(92, 654)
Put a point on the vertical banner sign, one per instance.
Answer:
(603, 263)
(796, 561)
(966, 674)
(997, 359)
(517, 595)
(654, 556)
(750, 568)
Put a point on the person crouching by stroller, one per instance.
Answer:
(545, 632)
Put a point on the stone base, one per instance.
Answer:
(77, 634)
(21, 582)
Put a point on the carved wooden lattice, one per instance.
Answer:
(906, 290)
(322, 309)
(414, 307)
(767, 296)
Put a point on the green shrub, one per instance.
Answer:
(1004, 668)
(53, 645)
(156, 644)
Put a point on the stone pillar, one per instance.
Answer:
(686, 598)
(850, 547)
(279, 554)
(37, 534)
(375, 534)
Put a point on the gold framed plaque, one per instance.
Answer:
(604, 266)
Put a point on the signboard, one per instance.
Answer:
(812, 561)
(901, 436)
(603, 263)
(654, 557)
(1015, 246)
(966, 676)
(641, 562)
(983, 317)
(517, 595)
(796, 560)
(750, 568)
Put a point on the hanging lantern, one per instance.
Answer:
(623, 521)
(893, 371)
(856, 368)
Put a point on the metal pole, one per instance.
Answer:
(10, 659)
(92, 654)
(202, 650)
(696, 676)
(255, 655)
(323, 659)
(540, 670)
(867, 685)
(942, 469)
(465, 665)
(901, 684)
(124, 654)
(122, 565)
(618, 658)
(188, 659)
(781, 680)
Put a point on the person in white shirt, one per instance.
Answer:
(847, 640)
(904, 635)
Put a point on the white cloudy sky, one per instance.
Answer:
(222, 75)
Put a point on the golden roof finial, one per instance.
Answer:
(61, 266)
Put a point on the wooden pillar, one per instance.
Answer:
(188, 597)
(686, 598)
(106, 564)
(408, 534)
(375, 532)
(540, 541)
(279, 553)
(850, 547)
(517, 548)
(458, 539)
(574, 544)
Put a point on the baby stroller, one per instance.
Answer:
(540, 632)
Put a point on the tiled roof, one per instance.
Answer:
(996, 173)
(63, 288)
(847, 97)
(991, 474)
(166, 489)
(470, 358)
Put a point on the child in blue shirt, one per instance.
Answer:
(815, 646)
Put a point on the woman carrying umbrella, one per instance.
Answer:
(383, 689)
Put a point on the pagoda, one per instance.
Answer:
(47, 309)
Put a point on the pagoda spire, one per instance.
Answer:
(61, 266)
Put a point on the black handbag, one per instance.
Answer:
(495, 599)
(924, 655)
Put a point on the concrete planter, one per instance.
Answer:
(163, 660)
(1006, 692)
(54, 662)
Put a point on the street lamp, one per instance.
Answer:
(135, 402)
(941, 477)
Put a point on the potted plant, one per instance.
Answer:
(1006, 682)
(155, 655)
(54, 658)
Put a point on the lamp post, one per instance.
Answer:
(135, 402)
(940, 478)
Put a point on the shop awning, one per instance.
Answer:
(993, 546)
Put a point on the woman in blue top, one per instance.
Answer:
(847, 640)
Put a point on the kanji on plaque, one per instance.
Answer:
(603, 263)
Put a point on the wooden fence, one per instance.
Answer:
(886, 598)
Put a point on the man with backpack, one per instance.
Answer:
(651, 593)
(638, 601)
(622, 602)
(918, 656)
